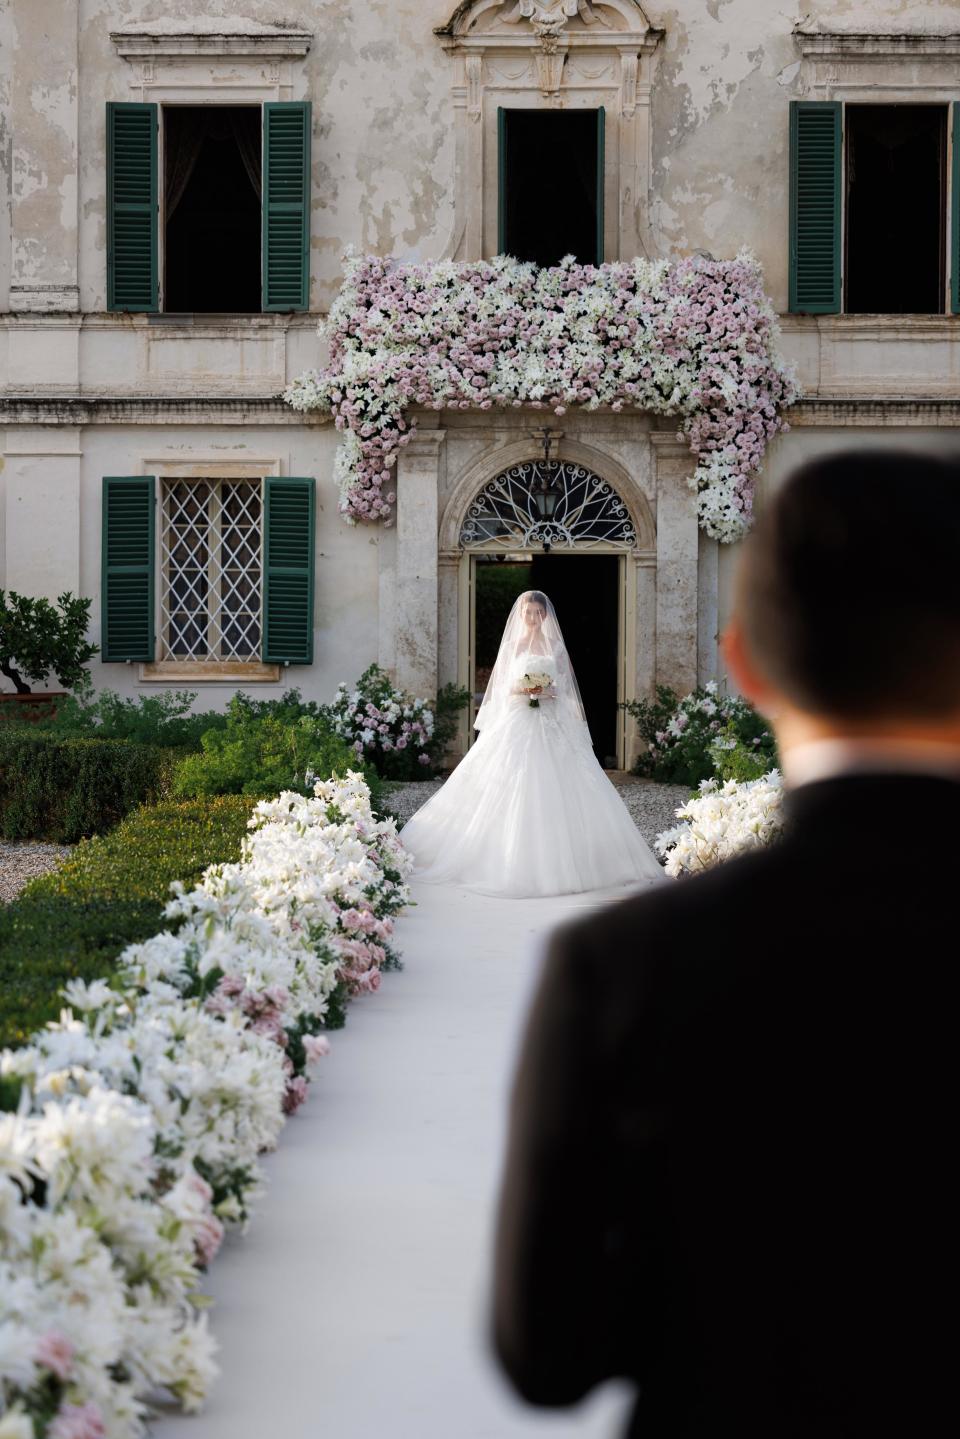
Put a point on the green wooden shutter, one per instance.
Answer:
(501, 180)
(127, 568)
(816, 164)
(286, 205)
(601, 125)
(955, 214)
(132, 202)
(288, 570)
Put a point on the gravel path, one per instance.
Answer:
(20, 862)
(651, 805)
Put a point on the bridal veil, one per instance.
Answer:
(532, 629)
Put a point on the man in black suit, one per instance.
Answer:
(727, 1175)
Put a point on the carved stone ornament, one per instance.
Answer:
(548, 20)
(548, 17)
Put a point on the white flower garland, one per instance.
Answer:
(143, 1111)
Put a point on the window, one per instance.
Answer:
(551, 185)
(211, 208)
(207, 571)
(868, 208)
(236, 192)
(210, 569)
(896, 189)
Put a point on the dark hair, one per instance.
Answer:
(537, 597)
(847, 587)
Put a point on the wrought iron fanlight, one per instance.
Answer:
(548, 503)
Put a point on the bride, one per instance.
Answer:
(528, 810)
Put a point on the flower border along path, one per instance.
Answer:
(133, 1125)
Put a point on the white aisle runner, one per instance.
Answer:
(355, 1307)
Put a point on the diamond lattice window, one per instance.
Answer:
(210, 570)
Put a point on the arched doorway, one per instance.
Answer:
(558, 526)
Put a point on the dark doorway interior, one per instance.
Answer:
(896, 211)
(212, 191)
(498, 580)
(585, 591)
(549, 187)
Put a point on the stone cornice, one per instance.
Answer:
(849, 44)
(153, 409)
(190, 325)
(866, 410)
(879, 326)
(211, 37)
(874, 410)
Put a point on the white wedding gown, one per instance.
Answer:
(529, 811)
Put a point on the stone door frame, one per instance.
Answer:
(424, 622)
(626, 638)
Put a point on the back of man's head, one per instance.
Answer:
(848, 591)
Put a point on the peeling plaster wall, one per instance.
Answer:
(726, 71)
(43, 166)
(8, 34)
(382, 144)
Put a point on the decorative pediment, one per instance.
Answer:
(546, 22)
(549, 32)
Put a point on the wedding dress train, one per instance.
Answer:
(528, 810)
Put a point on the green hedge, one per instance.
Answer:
(73, 922)
(260, 755)
(64, 789)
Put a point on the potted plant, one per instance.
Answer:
(36, 638)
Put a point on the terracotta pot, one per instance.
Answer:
(30, 707)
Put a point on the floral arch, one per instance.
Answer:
(695, 338)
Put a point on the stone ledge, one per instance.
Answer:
(240, 409)
(152, 409)
(880, 410)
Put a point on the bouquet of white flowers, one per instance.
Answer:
(531, 682)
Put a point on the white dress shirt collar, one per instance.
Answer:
(826, 758)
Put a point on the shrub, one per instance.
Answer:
(164, 719)
(402, 737)
(63, 789)
(261, 755)
(680, 732)
(73, 922)
(37, 637)
(734, 759)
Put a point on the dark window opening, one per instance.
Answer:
(896, 209)
(212, 192)
(550, 185)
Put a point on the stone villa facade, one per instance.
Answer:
(146, 333)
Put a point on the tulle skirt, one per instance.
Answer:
(529, 811)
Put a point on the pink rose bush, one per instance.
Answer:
(695, 338)
(139, 1117)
